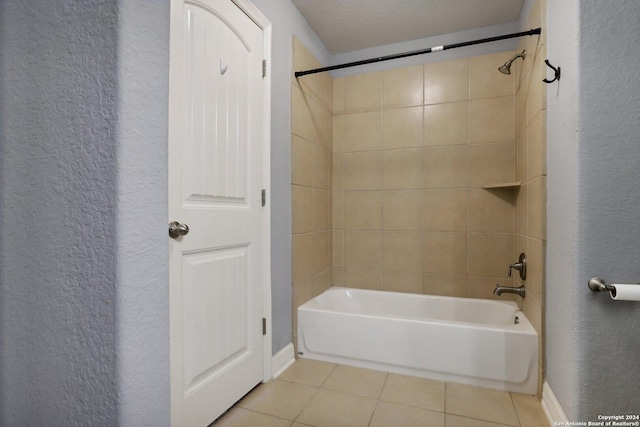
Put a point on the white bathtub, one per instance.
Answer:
(471, 341)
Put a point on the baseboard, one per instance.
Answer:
(551, 406)
(282, 360)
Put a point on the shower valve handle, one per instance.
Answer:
(521, 266)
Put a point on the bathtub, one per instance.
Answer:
(471, 341)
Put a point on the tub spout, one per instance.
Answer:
(499, 290)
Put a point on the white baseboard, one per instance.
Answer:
(551, 406)
(282, 360)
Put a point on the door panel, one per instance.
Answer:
(215, 180)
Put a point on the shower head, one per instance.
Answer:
(506, 68)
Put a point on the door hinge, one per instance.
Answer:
(264, 68)
(264, 197)
(264, 326)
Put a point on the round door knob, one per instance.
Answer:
(176, 229)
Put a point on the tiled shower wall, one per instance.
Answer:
(531, 170)
(413, 148)
(311, 179)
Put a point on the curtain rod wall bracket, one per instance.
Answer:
(418, 52)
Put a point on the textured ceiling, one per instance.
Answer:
(348, 25)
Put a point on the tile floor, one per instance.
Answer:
(311, 393)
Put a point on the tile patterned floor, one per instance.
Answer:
(311, 393)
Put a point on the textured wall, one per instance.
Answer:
(83, 280)
(142, 315)
(562, 285)
(58, 108)
(608, 206)
(592, 349)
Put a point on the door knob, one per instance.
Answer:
(176, 229)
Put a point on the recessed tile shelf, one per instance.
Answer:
(514, 184)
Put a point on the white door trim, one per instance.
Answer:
(261, 21)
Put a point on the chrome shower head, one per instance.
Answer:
(506, 68)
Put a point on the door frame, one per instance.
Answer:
(261, 21)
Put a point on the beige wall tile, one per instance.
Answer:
(363, 210)
(403, 169)
(363, 131)
(323, 126)
(403, 251)
(302, 209)
(445, 167)
(521, 247)
(403, 210)
(446, 124)
(338, 276)
(535, 269)
(321, 251)
(535, 147)
(301, 114)
(302, 257)
(363, 92)
(324, 90)
(449, 286)
(363, 250)
(491, 163)
(492, 210)
(338, 248)
(402, 87)
(363, 279)
(363, 170)
(338, 210)
(321, 282)
(533, 311)
(301, 293)
(446, 253)
(521, 157)
(402, 128)
(339, 95)
(521, 107)
(395, 281)
(338, 172)
(536, 88)
(492, 120)
(301, 161)
(543, 142)
(321, 210)
(520, 68)
(537, 208)
(302, 60)
(484, 79)
(339, 133)
(521, 210)
(446, 81)
(490, 254)
(446, 210)
(321, 168)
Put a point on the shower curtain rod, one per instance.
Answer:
(418, 52)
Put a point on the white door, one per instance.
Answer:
(216, 155)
